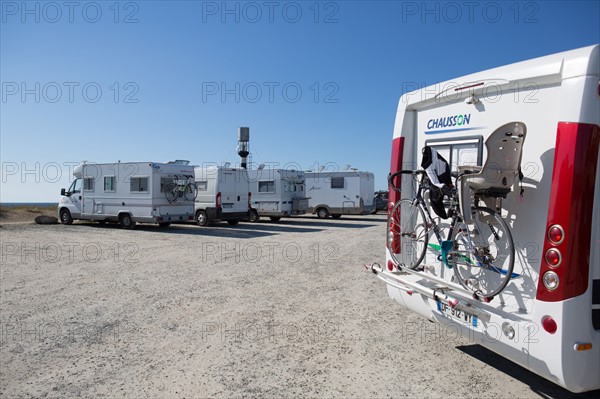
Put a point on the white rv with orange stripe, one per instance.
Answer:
(548, 317)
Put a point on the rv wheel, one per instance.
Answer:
(65, 217)
(233, 222)
(253, 216)
(202, 218)
(322, 213)
(275, 218)
(126, 221)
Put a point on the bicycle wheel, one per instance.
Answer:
(190, 193)
(407, 235)
(483, 256)
(170, 192)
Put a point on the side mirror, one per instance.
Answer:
(62, 191)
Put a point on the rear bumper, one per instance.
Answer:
(165, 218)
(243, 216)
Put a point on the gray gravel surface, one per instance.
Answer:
(254, 310)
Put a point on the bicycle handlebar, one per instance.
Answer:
(392, 177)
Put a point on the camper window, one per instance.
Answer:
(109, 183)
(288, 186)
(138, 185)
(266, 186)
(166, 184)
(337, 182)
(88, 184)
(202, 185)
(459, 151)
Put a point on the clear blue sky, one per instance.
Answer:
(162, 66)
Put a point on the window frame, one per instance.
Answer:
(139, 191)
(202, 185)
(454, 141)
(113, 185)
(88, 187)
(337, 178)
(272, 182)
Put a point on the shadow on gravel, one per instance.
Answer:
(187, 229)
(339, 223)
(279, 227)
(379, 218)
(539, 385)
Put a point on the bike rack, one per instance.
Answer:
(439, 293)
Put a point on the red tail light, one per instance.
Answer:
(565, 266)
(395, 166)
(218, 199)
(549, 324)
(556, 234)
(553, 257)
(393, 197)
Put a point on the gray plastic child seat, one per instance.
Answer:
(500, 171)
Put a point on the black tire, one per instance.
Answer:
(322, 213)
(253, 217)
(190, 192)
(126, 221)
(275, 218)
(233, 222)
(164, 224)
(65, 216)
(410, 236)
(202, 218)
(483, 257)
(43, 219)
(337, 216)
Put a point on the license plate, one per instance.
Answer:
(457, 314)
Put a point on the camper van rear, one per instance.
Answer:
(547, 319)
(340, 193)
(128, 192)
(277, 193)
(223, 194)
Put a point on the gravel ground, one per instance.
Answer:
(253, 310)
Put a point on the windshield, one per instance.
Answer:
(75, 186)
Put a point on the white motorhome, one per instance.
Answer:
(547, 319)
(223, 194)
(128, 192)
(277, 193)
(340, 193)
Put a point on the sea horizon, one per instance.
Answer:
(28, 203)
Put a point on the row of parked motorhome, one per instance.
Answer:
(151, 192)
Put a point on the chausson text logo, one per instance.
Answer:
(456, 123)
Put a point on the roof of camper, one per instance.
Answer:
(554, 67)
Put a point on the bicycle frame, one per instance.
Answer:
(445, 245)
